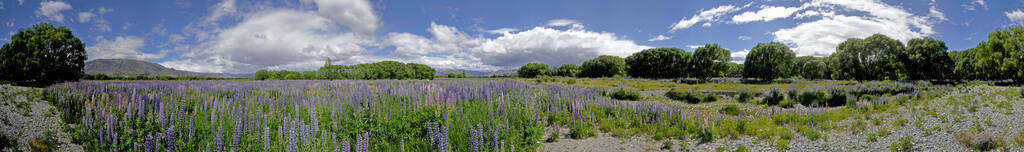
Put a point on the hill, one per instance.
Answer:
(129, 67)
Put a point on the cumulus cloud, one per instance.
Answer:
(819, 38)
(1016, 16)
(356, 14)
(502, 30)
(562, 22)
(767, 13)
(85, 16)
(713, 14)
(659, 38)
(744, 37)
(53, 10)
(974, 4)
(738, 57)
(120, 48)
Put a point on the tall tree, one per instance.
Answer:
(603, 66)
(531, 70)
(876, 57)
(658, 63)
(768, 61)
(1002, 56)
(927, 59)
(42, 55)
(568, 70)
(709, 61)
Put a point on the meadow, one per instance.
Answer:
(461, 114)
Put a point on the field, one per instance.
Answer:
(529, 115)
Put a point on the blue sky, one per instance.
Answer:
(228, 36)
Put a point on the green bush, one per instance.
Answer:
(744, 96)
(581, 131)
(786, 103)
(836, 97)
(781, 144)
(685, 96)
(811, 97)
(731, 110)
(902, 144)
(710, 97)
(742, 148)
(773, 96)
(706, 136)
(622, 94)
(666, 145)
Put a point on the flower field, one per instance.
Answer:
(434, 115)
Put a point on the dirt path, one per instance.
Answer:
(27, 123)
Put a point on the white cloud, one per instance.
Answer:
(744, 37)
(562, 22)
(934, 12)
(819, 38)
(85, 16)
(692, 47)
(974, 4)
(21, 2)
(713, 14)
(221, 9)
(274, 39)
(767, 13)
(120, 48)
(502, 30)
(356, 14)
(52, 10)
(659, 38)
(1016, 16)
(10, 23)
(739, 57)
(104, 10)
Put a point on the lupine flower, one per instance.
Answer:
(291, 140)
(237, 133)
(169, 135)
(219, 139)
(345, 147)
(149, 143)
(266, 138)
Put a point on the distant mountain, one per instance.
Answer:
(129, 67)
(445, 71)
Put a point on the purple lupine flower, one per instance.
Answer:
(237, 133)
(334, 142)
(266, 138)
(345, 146)
(291, 140)
(219, 138)
(169, 138)
(149, 143)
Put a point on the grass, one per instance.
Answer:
(1019, 139)
(978, 140)
(742, 148)
(781, 144)
(667, 144)
(902, 144)
(730, 109)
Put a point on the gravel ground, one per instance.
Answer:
(1004, 122)
(24, 118)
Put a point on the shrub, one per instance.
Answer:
(580, 132)
(705, 136)
(786, 103)
(710, 97)
(686, 96)
(836, 97)
(811, 97)
(781, 144)
(773, 96)
(742, 148)
(667, 145)
(744, 96)
(1019, 139)
(810, 133)
(902, 144)
(730, 110)
(622, 94)
(978, 140)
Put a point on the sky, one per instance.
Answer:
(229, 36)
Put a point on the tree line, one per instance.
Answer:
(876, 57)
(368, 71)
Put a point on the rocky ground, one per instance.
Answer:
(28, 123)
(993, 113)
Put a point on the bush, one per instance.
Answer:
(773, 96)
(811, 97)
(686, 96)
(978, 140)
(836, 97)
(705, 136)
(622, 94)
(730, 110)
(742, 148)
(710, 97)
(580, 132)
(744, 96)
(781, 144)
(786, 103)
(1019, 139)
(666, 145)
(902, 144)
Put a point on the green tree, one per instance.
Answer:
(603, 66)
(809, 67)
(658, 63)
(964, 62)
(309, 75)
(261, 75)
(421, 71)
(735, 70)
(42, 55)
(1002, 56)
(532, 70)
(768, 61)
(876, 57)
(291, 76)
(927, 59)
(568, 70)
(709, 61)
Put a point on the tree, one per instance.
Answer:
(768, 61)
(709, 61)
(1002, 56)
(291, 76)
(309, 75)
(531, 70)
(567, 70)
(603, 66)
(927, 59)
(421, 71)
(964, 62)
(876, 57)
(809, 67)
(261, 75)
(42, 55)
(735, 70)
(658, 63)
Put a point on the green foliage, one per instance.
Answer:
(603, 66)
(658, 63)
(742, 148)
(977, 140)
(686, 96)
(735, 70)
(371, 71)
(706, 135)
(927, 59)
(773, 96)
(730, 109)
(902, 144)
(1019, 138)
(836, 97)
(1001, 57)
(581, 131)
(666, 145)
(781, 144)
(810, 67)
(567, 70)
(786, 103)
(709, 61)
(811, 97)
(623, 94)
(873, 58)
(532, 70)
(768, 61)
(42, 55)
(744, 96)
